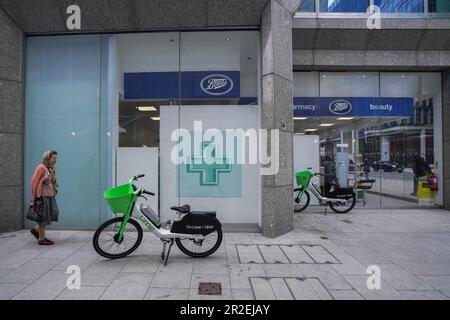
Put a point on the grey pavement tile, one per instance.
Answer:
(441, 283)
(319, 254)
(232, 255)
(9, 290)
(237, 238)
(296, 254)
(242, 294)
(240, 274)
(84, 293)
(283, 270)
(224, 279)
(399, 279)
(30, 271)
(203, 266)
(303, 289)
(173, 266)
(18, 258)
(251, 258)
(280, 289)
(424, 295)
(141, 264)
(277, 258)
(426, 268)
(83, 259)
(346, 295)
(193, 295)
(61, 250)
(171, 280)
(262, 289)
(349, 265)
(5, 271)
(102, 273)
(329, 277)
(128, 286)
(48, 287)
(166, 294)
(386, 292)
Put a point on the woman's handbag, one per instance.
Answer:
(35, 212)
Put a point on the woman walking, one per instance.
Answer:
(45, 188)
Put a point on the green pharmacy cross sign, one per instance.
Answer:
(209, 171)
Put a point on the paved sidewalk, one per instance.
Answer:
(325, 257)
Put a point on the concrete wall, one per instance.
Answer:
(11, 124)
(446, 134)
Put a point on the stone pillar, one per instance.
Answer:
(446, 136)
(11, 124)
(277, 105)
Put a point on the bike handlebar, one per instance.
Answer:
(147, 192)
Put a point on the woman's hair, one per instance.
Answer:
(46, 161)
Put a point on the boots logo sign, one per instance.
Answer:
(340, 107)
(216, 84)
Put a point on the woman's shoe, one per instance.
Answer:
(45, 242)
(35, 233)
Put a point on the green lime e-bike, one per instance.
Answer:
(340, 200)
(196, 233)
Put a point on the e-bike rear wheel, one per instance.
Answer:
(344, 208)
(201, 248)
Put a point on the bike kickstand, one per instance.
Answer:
(163, 253)
(326, 210)
(168, 252)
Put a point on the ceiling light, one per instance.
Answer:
(326, 124)
(310, 130)
(228, 39)
(146, 108)
(300, 118)
(155, 118)
(345, 118)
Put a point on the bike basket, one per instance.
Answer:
(119, 198)
(303, 178)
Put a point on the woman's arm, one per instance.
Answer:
(36, 182)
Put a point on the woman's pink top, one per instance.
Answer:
(41, 183)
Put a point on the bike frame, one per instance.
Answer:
(315, 191)
(160, 233)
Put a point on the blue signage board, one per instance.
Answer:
(194, 84)
(354, 107)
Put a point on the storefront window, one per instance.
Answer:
(307, 6)
(439, 5)
(343, 5)
(110, 105)
(66, 109)
(401, 6)
(378, 127)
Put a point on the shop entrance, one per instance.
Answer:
(375, 132)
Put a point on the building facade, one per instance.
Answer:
(110, 96)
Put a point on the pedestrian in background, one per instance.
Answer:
(45, 187)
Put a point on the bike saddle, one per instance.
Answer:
(183, 209)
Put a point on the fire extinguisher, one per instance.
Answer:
(433, 182)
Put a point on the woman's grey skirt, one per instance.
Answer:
(50, 211)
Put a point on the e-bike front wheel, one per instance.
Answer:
(106, 239)
(201, 248)
(344, 208)
(300, 203)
